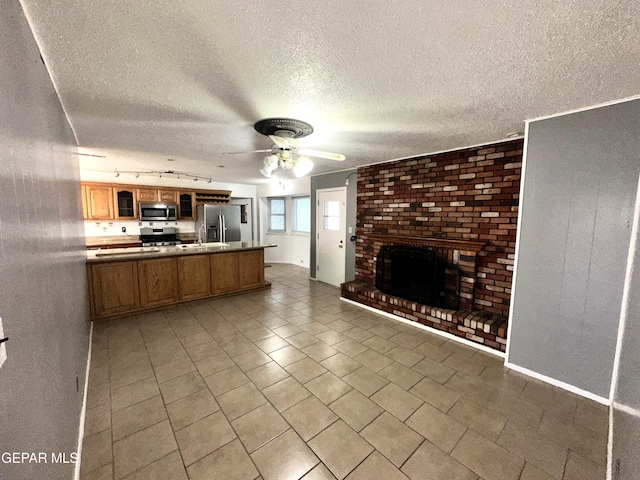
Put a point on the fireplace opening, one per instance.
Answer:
(417, 274)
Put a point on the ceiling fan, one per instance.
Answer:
(285, 152)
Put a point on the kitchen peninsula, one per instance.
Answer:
(132, 280)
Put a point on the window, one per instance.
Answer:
(302, 214)
(331, 215)
(276, 215)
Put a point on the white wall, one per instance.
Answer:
(292, 247)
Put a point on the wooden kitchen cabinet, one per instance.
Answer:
(147, 194)
(187, 205)
(251, 268)
(194, 277)
(113, 288)
(168, 196)
(158, 281)
(99, 202)
(122, 287)
(125, 204)
(83, 196)
(224, 272)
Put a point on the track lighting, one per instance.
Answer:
(166, 174)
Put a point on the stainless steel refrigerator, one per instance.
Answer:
(221, 222)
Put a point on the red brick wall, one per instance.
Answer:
(467, 194)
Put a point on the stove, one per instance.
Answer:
(159, 237)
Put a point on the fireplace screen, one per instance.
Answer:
(413, 273)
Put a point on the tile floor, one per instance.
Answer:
(292, 383)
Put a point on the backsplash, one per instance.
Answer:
(112, 228)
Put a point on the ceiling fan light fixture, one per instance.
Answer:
(266, 173)
(272, 160)
(302, 167)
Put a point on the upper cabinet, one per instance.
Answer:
(126, 206)
(83, 196)
(147, 194)
(168, 196)
(106, 201)
(99, 202)
(187, 204)
(213, 196)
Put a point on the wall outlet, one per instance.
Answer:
(3, 346)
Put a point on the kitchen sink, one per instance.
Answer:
(204, 245)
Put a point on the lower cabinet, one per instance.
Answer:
(113, 288)
(194, 277)
(130, 286)
(157, 281)
(251, 268)
(224, 272)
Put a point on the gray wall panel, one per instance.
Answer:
(577, 202)
(43, 288)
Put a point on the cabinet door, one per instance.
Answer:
(147, 194)
(158, 281)
(224, 272)
(194, 277)
(85, 212)
(125, 203)
(251, 268)
(168, 196)
(187, 202)
(114, 288)
(99, 202)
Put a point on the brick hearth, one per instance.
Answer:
(465, 195)
(486, 328)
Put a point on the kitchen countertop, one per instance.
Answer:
(116, 240)
(139, 253)
(93, 242)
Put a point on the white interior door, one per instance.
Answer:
(331, 236)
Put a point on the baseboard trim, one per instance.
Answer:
(559, 384)
(446, 335)
(83, 412)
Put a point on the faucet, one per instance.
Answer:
(202, 227)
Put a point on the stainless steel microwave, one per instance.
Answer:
(157, 212)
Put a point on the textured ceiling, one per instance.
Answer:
(148, 80)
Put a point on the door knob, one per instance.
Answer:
(340, 246)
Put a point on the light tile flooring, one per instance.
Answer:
(292, 383)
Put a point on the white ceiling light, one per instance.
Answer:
(302, 167)
(286, 160)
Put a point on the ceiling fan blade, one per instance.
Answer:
(317, 153)
(284, 142)
(250, 151)
(279, 141)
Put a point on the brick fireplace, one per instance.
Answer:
(463, 205)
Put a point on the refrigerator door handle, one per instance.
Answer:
(222, 229)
